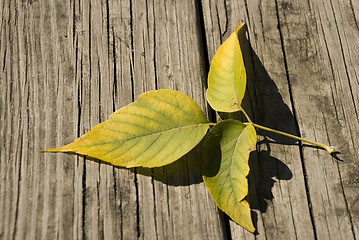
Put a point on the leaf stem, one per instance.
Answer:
(326, 147)
(246, 115)
(320, 145)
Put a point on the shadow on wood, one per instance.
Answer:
(175, 174)
(269, 169)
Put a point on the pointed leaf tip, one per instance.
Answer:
(227, 75)
(225, 168)
(157, 129)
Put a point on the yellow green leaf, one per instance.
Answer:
(157, 129)
(225, 168)
(227, 75)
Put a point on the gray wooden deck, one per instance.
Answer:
(67, 65)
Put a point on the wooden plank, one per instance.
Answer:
(109, 194)
(320, 200)
(65, 67)
(325, 87)
(33, 77)
(280, 203)
(120, 56)
(166, 55)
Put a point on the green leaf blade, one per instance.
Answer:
(227, 75)
(225, 168)
(154, 131)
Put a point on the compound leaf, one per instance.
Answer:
(227, 75)
(225, 168)
(157, 129)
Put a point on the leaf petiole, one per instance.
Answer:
(329, 149)
(246, 115)
(320, 145)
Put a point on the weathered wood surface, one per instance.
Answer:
(67, 65)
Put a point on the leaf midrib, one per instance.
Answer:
(231, 160)
(234, 62)
(153, 133)
(230, 171)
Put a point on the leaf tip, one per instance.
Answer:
(251, 229)
(241, 29)
(59, 149)
(50, 150)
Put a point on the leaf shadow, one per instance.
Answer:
(184, 172)
(265, 170)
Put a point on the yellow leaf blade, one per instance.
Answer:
(227, 75)
(156, 130)
(225, 168)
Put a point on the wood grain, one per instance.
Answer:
(324, 91)
(65, 66)
(289, 47)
